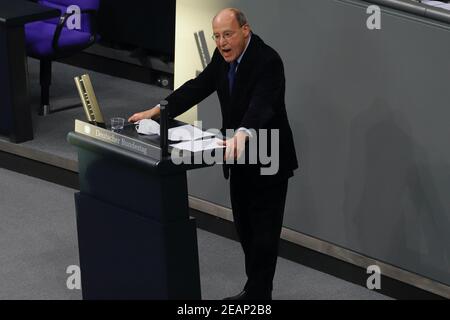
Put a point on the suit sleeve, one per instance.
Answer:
(267, 98)
(194, 90)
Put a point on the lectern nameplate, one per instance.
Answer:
(115, 138)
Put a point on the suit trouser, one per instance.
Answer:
(258, 216)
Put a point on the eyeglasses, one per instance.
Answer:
(227, 35)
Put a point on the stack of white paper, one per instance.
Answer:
(187, 133)
(198, 145)
(192, 138)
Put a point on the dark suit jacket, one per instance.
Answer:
(257, 100)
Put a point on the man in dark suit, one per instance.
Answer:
(248, 76)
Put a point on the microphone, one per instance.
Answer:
(164, 128)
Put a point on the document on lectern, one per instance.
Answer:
(187, 133)
(198, 145)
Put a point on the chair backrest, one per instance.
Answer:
(62, 6)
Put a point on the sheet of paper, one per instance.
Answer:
(182, 133)
(187, 133)
(198, 145)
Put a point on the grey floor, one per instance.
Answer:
(37, 219)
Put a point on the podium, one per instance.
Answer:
(136, 239)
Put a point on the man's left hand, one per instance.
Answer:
(235, 146)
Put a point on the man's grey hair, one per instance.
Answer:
(240, 17)
(238, 14)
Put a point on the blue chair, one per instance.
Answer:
(52, 39)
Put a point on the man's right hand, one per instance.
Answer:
(148, 114)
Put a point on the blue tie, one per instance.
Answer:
(232, 75)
